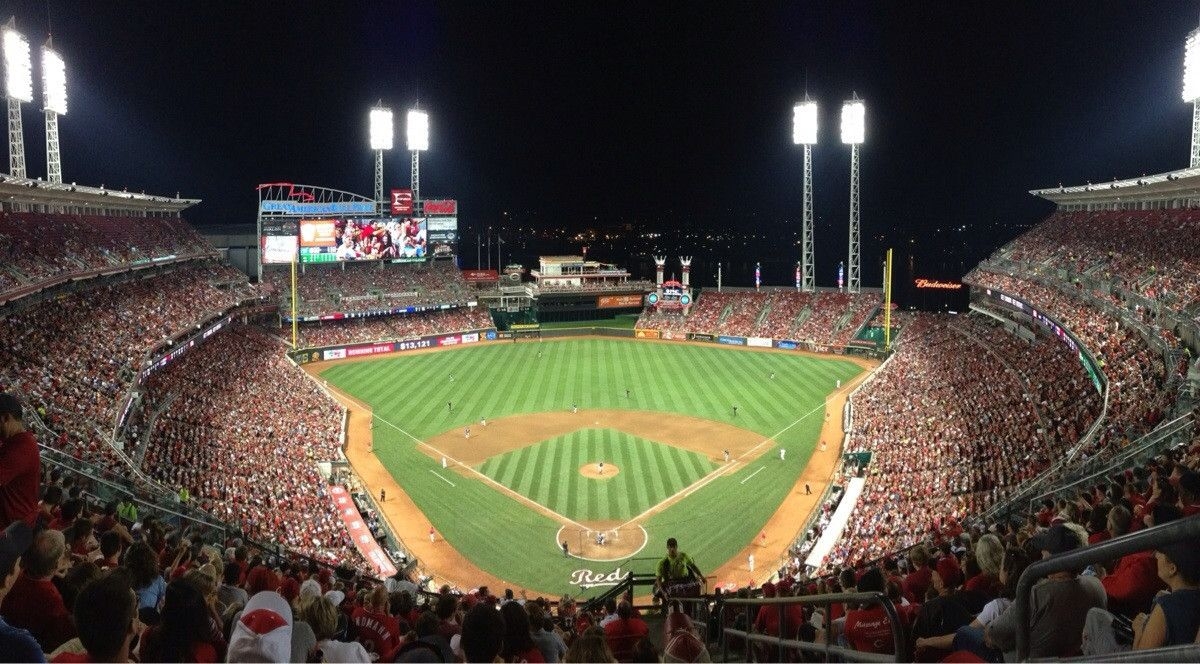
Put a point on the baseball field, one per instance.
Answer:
(679, 460)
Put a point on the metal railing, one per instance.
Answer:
(1168, 533)
(899, 642)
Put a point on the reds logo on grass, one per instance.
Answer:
(586, 578)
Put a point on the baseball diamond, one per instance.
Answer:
(515, 487)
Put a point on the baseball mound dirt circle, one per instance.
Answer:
(592, 471)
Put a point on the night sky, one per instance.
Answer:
(679, 112)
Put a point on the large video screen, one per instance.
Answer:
(334, 240)
(443, 236)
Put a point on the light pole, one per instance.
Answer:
(804, 132)
(418, 139)
(18, 87)
(853, 121)
(1191, 90)
(54, 88)
(381, 139)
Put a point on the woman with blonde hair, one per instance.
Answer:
(321, 615)
(591, 646)
(989, 554)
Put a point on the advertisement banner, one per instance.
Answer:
(445, 207)
(674, 336)
(504, 335)
(646, 334)
(401, 202)
(451, 340)
(364, 541)
(443, 224)
(618, 301)
(699, 337)
(526, 326)
(785, 344)
(278, 248)
(470, 338)
(481, 275)
(758, 342)
(369, 349)
(731, 341)
(334, 354)
(303, 209)
(491, 335)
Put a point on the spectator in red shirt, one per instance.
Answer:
(20, 465)
(869, 629)
(1134, 581)
(916, 583)
(378, 631)
(106, 611)
(34, 602)
(623, 633)
(183, 635)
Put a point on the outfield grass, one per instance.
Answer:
(548, 473)
(511, 541)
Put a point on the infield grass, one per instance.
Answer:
(647, 473)
(408, 395)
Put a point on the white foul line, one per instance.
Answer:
(747, 478)
(750, 476)
(442, 478)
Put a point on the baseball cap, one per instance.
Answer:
(1186, 557)
(1057, 539)
(13, 543)
(264, 631)
(336, 597)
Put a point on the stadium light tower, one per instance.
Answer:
(853, 121)
(54, 88)
(1191, 89)
(418, 139)
(18, 87)
(381, 139)
(804, 132)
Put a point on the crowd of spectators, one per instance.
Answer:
(1136, 372)
(1153, 253)
(950, 425)
(401, 326)
(75, 356)
(40, 247)
(781, 314)
(241, 429)
(367, 286)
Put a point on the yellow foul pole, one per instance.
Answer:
(295, 324)
(887, 303)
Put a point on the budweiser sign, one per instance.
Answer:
(939, 285)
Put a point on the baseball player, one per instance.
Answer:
(467, 433)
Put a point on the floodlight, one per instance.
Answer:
(54, 81)
(381, 129)
(804, 123)
(18, 69)
(418, 130)
(853, 120)
(1191, 66)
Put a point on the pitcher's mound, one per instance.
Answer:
(592, 471)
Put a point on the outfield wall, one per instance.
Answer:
(341, 352)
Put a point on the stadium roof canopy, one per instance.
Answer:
(1175, 189)
(42, 196)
